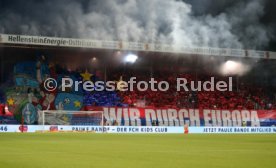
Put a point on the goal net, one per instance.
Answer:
(70, 118)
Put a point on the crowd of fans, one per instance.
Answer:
(242, 96)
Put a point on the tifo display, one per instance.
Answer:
(33, 91)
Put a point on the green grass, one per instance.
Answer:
(132, 150)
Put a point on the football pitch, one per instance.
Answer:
(80, 150)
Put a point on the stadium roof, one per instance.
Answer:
(12, 39)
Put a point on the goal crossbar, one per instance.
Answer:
(66, 117)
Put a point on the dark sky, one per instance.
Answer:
(215, 23)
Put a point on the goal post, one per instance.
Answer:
(70, 118)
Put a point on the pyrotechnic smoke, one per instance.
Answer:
(159, 21)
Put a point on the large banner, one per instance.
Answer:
(187, 117)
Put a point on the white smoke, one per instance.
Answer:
(156, 21)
